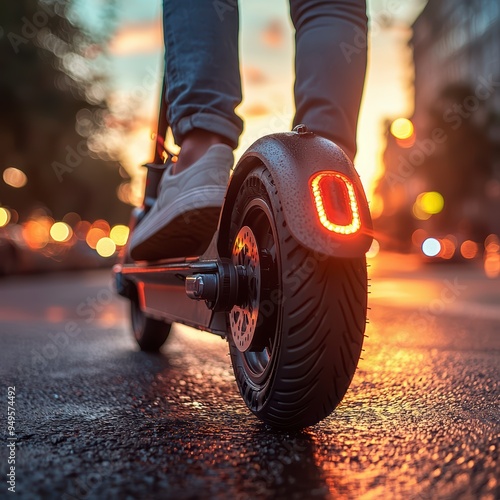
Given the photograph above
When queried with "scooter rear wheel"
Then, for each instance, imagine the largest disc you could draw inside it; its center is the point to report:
(296, 341)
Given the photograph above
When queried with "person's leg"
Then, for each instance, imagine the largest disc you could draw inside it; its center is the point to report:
(330, 65)
(203, 90)
(203, 79)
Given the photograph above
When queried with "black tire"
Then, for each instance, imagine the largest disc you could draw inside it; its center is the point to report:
(312, 313)
(149, 333)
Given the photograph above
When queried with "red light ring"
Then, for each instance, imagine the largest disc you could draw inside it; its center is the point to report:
(355, 224)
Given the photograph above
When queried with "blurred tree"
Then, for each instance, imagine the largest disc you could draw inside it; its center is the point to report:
(53, 112)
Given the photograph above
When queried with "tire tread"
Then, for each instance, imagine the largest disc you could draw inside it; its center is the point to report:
(322, 327)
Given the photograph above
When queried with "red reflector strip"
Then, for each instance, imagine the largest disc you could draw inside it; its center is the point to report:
(346, 221)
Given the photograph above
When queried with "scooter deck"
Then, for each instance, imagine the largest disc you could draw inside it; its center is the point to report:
(161, 290)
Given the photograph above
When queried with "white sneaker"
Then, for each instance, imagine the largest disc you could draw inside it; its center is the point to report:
(184, 218)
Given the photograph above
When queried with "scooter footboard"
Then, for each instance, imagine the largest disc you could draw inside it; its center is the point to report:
(161, 294)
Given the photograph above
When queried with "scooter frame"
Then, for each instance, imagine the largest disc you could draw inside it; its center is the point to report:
(166, 289)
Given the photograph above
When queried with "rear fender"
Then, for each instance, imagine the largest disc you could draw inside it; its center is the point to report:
(293, 159)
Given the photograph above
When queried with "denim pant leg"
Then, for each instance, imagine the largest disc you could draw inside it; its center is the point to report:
(330, 65)
(202, 67)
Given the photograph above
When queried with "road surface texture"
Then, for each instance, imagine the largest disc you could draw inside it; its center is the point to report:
(95, 418)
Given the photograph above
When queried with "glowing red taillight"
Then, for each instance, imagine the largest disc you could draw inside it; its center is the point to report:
(336, 204)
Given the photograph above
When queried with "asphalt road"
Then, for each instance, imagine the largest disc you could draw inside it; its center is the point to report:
(96, 418)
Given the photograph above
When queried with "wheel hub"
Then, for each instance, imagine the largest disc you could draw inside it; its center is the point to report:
(243, 319)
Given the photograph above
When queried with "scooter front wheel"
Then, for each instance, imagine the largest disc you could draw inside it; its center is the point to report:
(296, 339)
(149, 333)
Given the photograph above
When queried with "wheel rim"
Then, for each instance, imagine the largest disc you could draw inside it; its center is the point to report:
(258, 218)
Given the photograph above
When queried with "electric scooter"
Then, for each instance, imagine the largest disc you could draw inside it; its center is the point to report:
(283, 279)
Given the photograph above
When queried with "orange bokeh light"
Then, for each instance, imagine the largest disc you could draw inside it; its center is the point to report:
(448, 248)
(469, 249)
(103, 225)
(408, 142)
(492, 256)
(36, 233)
(93, 236)
(492, 243)
(492, 265)
(419, 236)
(14, 177)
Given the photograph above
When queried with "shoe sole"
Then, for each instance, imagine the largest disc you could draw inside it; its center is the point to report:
(188, 233)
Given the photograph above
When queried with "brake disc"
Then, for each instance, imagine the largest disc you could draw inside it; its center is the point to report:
(243, 319)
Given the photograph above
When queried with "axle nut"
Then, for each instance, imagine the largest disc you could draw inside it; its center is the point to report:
(194, 286)
(202, 287)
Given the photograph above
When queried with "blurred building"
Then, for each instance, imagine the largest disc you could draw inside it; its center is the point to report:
(455, 41)
(453, 142)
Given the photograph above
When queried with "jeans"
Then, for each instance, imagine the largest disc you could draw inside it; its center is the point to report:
(202, 67)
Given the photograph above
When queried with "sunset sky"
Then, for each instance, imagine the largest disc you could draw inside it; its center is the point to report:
(266, 47)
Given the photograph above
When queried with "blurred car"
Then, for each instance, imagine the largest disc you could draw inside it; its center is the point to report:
(448, 248)
(18, 256)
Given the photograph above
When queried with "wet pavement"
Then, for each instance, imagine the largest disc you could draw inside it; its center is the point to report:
(96, 418)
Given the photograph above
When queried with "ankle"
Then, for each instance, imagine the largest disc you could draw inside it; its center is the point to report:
(194, 146)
